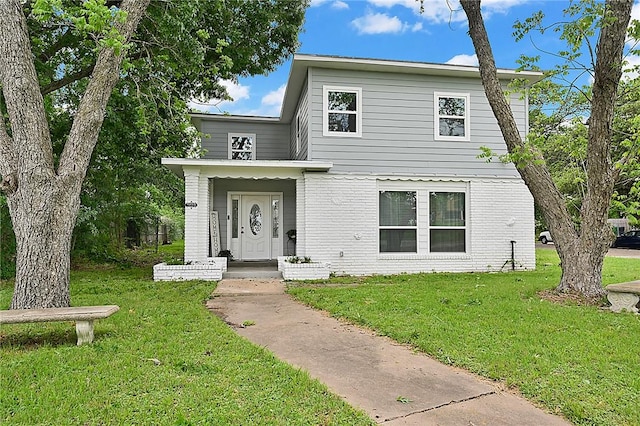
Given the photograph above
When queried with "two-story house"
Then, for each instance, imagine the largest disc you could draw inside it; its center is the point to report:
(373, 164)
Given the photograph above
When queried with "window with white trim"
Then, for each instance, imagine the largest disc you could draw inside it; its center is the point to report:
(447, 222)
(242, 146)
(451, 116)
(342, 108)
(398, 224)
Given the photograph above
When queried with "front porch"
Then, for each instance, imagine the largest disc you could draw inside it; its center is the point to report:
(249, 208)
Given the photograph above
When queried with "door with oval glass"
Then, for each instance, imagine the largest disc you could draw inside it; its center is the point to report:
(255, 227)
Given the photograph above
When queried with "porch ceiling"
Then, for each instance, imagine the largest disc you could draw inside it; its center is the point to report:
(245, 169)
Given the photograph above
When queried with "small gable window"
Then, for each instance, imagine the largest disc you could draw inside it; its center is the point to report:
(242, 146)
(342, 111)
(451, 116)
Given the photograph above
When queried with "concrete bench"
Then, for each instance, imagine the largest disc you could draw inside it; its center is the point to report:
(82, 315)
(624, 296)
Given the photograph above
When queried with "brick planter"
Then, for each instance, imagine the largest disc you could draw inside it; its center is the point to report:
(209, 271)
(303, 271)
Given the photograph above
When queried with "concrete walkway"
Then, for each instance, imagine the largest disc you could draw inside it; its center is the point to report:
(390, 382)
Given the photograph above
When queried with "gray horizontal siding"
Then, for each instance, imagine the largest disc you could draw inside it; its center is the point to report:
(303, 112)
(398, 126)
(272, 139)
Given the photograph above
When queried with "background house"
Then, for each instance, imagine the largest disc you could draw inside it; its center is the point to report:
(373, 163)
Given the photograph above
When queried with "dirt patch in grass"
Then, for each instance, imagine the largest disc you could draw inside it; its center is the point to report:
(574, 299)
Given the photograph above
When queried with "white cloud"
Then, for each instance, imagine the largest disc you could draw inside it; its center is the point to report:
(435, 11)
(410, 4)
(632, 67)
(339, 5)
(335, 4)
(237, 92)
(275, 97)
(447, 11)
(635, 11)
(464, 60)
(381, 23)
(377, 23)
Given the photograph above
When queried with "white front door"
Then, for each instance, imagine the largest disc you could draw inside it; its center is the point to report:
(255, 227)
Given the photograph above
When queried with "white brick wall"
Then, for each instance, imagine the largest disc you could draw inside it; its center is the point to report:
(191, 185)
(206, 272)
(196, 233)
(301, 203)
(203, 219)
(341, 222)
(303, 271)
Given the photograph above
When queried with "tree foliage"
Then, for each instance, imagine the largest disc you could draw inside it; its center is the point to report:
(581, 245)
(70, 56)
(561, 133)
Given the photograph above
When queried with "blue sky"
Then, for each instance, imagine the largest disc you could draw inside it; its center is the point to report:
(395, 29)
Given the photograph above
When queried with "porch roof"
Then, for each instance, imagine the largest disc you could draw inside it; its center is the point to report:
(245, 169)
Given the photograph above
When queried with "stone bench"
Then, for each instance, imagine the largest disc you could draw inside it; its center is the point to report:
(624, 296)
(82, 315)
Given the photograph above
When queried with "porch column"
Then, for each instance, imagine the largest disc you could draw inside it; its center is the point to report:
(195, 215)
(301, 209)
(204, 214)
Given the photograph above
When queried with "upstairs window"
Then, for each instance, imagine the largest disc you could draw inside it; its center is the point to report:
(242, 146)
(342, 111)
(451, 116)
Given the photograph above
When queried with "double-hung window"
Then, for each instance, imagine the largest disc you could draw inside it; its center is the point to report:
(451, 116)
(342, 108)
(242, 146)
(447, 222)
(398, 222)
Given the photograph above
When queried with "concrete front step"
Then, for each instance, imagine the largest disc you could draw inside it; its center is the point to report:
(245, 272)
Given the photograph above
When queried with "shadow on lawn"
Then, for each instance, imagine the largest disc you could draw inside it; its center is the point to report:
(29, 340)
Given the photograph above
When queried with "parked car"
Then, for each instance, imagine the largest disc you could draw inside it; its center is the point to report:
(630, 239)
(545, 237)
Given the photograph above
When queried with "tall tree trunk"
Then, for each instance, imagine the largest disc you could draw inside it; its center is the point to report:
(44, 202)
(581, 250)
(582, 268)
(43, 216)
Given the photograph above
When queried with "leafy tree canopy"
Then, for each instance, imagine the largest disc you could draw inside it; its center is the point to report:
(180, 51)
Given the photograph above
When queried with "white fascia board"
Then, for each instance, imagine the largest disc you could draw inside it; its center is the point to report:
(247, 169)
(338, 62)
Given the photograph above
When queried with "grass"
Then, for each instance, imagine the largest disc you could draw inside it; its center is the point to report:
(582, 362)
(163, 359)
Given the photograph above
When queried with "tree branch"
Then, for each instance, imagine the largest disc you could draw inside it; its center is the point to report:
(533, 170)
(24, 102)
(54, 48)
(608, 71)
(83, 136)
(67, 79)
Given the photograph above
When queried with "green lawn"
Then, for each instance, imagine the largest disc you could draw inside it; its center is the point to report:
(163, 359)
(582, 362)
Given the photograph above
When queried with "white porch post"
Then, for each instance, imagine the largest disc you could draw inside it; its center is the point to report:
(203, 218)
(300, 216)
(195, 215)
